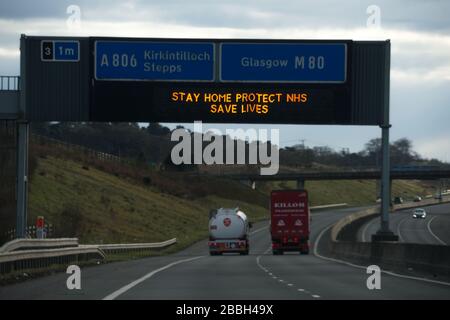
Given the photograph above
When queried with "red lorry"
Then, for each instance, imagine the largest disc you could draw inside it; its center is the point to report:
(290, 221)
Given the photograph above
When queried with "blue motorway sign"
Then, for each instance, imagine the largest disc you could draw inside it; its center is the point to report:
(283, 62)
(60, 50)
(157, 61)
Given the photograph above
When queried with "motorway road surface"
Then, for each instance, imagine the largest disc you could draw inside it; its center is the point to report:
(193, 274)
(434, 229)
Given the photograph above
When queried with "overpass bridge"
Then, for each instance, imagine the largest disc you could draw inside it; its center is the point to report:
(374, 174)
(345, 175)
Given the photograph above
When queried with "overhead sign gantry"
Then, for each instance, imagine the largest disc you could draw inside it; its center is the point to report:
(338, 82)
(214, 80)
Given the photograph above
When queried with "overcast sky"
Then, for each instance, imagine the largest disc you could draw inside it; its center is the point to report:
(419, 33)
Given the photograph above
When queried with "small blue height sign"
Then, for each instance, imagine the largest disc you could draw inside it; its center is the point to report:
(154, 61)
(283, 62)
(60, 50)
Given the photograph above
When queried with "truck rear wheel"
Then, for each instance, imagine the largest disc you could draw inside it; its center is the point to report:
(277, 252)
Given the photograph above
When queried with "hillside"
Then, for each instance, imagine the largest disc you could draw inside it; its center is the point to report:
(102, 201)
(98, 207)
(354, 192)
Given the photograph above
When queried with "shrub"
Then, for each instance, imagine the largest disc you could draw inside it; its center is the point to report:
(147, 180)
(70, 221)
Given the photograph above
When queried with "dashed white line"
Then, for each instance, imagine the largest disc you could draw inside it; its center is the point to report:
(258, 262)
(124, 289)
(315, 296)
(432, 233)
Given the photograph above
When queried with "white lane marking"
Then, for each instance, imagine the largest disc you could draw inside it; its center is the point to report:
(316, 243)
(315, 296)
(258, 230)
(432, 233)
(124, 289)
(364, 231)
(258, 262)
(399, 228)
(365, 267)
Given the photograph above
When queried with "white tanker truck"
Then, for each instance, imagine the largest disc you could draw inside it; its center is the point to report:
(228, 231)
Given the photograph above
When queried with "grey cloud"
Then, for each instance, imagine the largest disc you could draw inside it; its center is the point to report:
(9, 66)
(420, 110)
(407, 14)
(21, 9)
(411, 103)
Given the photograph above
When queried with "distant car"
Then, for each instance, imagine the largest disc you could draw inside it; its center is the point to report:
(417, 198)
(419, 213)
(438, 196)
(398, 200)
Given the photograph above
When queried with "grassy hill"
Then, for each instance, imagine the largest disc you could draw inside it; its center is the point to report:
(100, 207)
(104, 202)
(353, 192)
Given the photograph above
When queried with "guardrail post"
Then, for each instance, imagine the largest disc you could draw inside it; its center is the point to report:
(22, 178)
(22, 151)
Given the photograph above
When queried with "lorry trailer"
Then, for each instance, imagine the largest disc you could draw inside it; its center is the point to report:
(290, 220)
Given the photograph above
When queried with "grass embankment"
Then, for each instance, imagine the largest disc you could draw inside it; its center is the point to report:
(99, 207)
(102, 202)
(353, 192)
